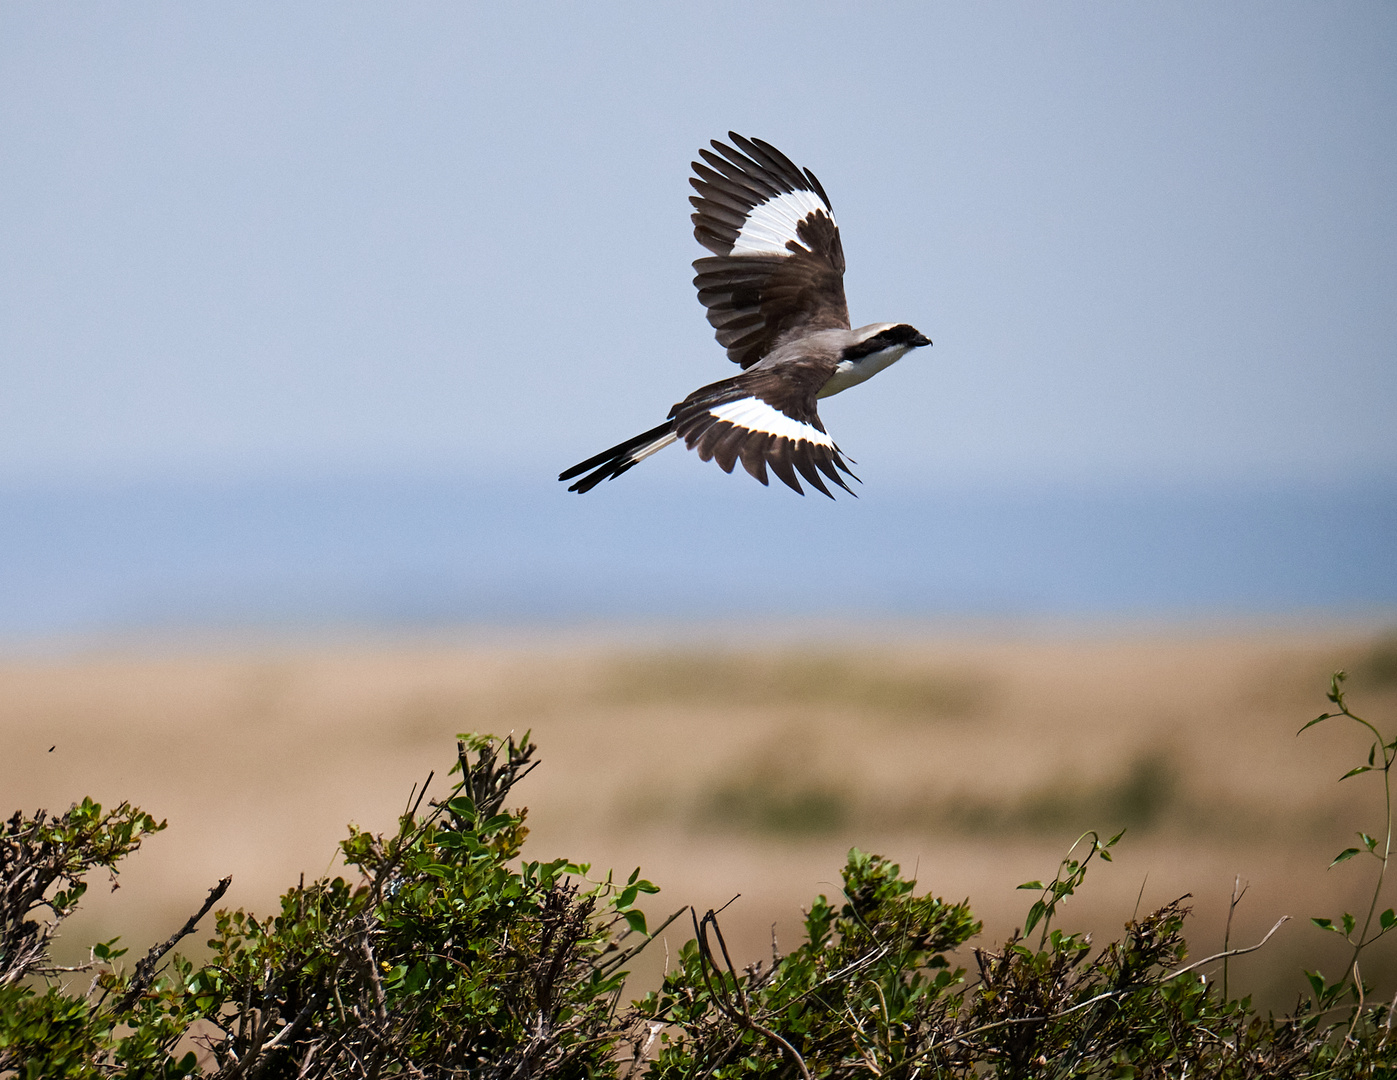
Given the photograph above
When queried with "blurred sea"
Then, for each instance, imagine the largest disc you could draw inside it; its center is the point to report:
(430, 551)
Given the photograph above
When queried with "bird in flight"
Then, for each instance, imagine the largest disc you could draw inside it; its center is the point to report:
(774, 290)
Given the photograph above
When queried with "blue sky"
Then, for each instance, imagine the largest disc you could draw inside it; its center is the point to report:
(1152, 243)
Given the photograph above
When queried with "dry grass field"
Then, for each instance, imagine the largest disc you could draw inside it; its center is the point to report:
(974, 759)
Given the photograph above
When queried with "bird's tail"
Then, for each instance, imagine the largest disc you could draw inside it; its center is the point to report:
(610, 464)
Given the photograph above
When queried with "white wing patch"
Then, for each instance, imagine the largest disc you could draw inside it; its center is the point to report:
(756, 414)
(771, 225)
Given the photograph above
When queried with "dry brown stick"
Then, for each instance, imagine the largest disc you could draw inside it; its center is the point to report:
(745, 1016)
(145, 969)
(625, 956)
(375, 983)
(1238, 891)
(266, 1014)
(1106, 995)
(1228, 952)
(287, 1035)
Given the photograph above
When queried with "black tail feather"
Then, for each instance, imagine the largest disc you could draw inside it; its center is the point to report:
(610, 464)
(609, 471)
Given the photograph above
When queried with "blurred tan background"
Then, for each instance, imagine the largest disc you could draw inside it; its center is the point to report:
(748, 766)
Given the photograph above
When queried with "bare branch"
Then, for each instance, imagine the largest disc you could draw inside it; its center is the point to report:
(145, 969)
(1228, 952)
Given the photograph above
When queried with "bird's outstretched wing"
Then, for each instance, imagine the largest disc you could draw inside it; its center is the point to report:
(778, 266)
(764, 417)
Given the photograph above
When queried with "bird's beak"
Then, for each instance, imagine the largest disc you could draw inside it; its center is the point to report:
(920, 340)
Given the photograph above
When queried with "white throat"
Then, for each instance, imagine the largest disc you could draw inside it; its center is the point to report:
(852, 372)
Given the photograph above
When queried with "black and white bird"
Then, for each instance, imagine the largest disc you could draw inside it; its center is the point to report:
(774, 290)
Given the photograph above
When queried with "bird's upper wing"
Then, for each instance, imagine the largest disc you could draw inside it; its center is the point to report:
(765, 417)
(777, 265)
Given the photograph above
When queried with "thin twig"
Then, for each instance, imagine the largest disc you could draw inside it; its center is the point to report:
(1228, 952)
(1106, 995)
(725, 1007)
(412, 807)
(375, 983)
(289, 1033)
(1227, 930)
(145, 969)
(627, 955)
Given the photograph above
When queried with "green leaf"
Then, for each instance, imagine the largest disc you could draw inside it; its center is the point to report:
(1356, 771)
(1344, 856)
(1324, 924)
(1318, 719)
(1031, 885)
(416, 978)
(1348, 923)
(635, 920)
(1369, 842)
(1388, 919)
(103, 950)
(496, 823)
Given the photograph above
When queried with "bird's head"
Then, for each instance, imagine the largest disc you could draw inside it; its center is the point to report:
(884, 337)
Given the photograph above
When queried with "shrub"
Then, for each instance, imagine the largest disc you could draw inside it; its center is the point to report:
(449, 955)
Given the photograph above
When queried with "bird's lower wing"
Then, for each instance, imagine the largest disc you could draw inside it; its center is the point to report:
(763, 418)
